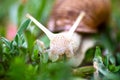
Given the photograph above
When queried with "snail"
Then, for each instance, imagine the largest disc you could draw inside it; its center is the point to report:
(61, 43)
(71, 18)
(64, 13)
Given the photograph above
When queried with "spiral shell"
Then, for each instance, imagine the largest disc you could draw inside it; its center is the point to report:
(65, 12)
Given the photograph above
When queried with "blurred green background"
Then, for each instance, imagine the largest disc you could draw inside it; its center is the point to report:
(14, 11)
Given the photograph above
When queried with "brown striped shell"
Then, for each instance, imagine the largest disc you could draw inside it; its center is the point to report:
(65, 12)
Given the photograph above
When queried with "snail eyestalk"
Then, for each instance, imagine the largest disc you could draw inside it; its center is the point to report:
(75, 25)
(44, 29)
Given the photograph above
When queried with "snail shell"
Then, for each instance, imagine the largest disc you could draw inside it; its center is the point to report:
(65, 12)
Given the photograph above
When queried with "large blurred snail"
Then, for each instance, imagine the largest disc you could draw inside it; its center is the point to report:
(71, 18)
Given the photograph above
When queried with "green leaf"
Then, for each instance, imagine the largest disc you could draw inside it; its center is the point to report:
(16, 39)
(7, 42)
(114, 68)
(44, 57)
(12, 46)
(23, 27)
(98, 52)
(83, 71)
(35, 54)
(30, 38)
(19, 40)
(106, 61)
(89, 55)
(102, 68)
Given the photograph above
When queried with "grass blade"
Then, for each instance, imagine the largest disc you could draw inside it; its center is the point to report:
(23, 27)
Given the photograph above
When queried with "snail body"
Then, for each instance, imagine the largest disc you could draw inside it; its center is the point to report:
(61, 43)
(70, 18)
(65, 12)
